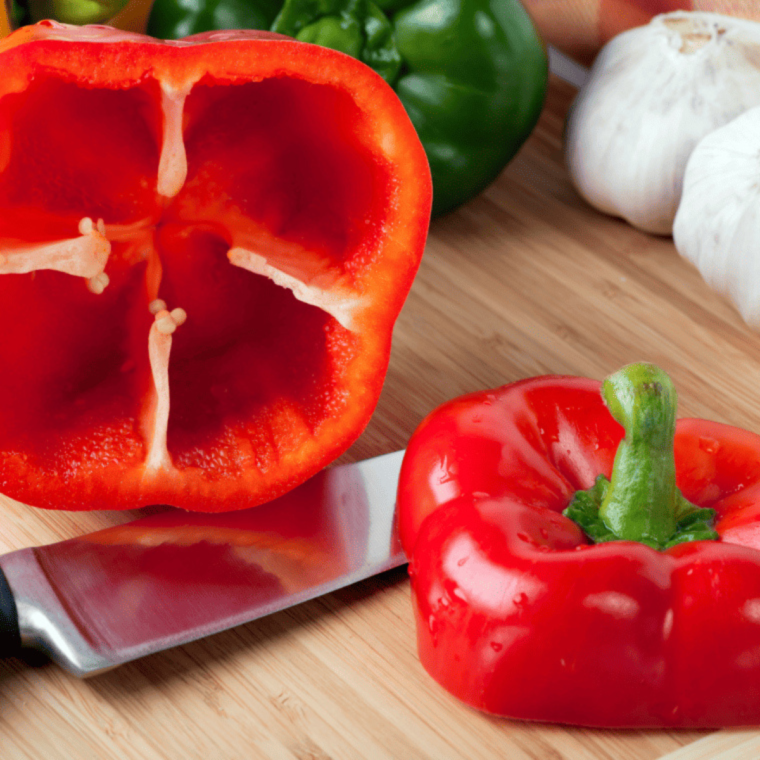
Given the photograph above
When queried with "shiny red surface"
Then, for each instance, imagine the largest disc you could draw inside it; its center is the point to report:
(519, 616)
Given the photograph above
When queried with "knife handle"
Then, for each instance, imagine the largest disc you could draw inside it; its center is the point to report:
(10, 637)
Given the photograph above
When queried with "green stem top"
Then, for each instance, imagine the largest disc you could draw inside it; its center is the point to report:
(641, 502)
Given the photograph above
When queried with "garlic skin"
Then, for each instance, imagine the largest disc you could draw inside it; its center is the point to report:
(717, 227)
(651, 95)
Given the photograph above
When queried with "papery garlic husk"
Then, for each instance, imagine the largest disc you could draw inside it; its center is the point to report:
(717, 227)
(651, 95)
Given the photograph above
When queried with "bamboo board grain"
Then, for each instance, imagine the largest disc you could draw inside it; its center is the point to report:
(524, 280)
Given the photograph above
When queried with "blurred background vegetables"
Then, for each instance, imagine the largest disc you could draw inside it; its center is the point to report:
(129, 15)
(74, 11)
(471, 73)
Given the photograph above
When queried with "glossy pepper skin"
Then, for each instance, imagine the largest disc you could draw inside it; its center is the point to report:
(472, 74)
(204, 246)
(520, 615)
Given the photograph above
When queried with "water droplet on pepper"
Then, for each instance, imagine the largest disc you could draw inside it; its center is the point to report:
(709, 445)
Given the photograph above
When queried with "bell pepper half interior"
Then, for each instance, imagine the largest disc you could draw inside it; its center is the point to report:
(239, 213)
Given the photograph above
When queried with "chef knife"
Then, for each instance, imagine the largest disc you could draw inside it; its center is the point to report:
(95, 602)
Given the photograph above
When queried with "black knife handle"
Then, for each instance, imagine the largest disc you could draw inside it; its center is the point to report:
(10, 637)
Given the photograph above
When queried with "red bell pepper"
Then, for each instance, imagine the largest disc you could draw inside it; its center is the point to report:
(646, 615)
(204, 245)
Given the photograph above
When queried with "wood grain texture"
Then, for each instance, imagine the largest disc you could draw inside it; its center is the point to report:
(729, 744)
(524, 280)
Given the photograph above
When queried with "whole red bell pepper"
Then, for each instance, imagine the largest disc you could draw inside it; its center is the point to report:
(563, 560)
(204, 245)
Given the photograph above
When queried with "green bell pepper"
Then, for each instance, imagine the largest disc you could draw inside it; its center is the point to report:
(472, 74)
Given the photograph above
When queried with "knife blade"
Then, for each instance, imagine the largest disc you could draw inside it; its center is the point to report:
(95, 602)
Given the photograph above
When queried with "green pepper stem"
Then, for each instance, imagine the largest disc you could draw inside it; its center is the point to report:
(641, 502)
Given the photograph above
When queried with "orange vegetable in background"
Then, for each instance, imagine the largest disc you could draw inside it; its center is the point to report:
(581, 27)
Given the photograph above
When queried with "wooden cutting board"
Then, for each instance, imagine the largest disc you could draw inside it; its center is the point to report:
(524, 280)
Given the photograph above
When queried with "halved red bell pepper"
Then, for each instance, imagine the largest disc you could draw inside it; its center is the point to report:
(204, 246)
(522, 612)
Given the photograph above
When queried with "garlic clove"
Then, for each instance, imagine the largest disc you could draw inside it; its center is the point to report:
(651, 95)
(717, 227)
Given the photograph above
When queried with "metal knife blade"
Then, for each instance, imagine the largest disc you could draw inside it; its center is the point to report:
(98, 601)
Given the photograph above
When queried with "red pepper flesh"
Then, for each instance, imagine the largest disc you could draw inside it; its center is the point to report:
(204, 245)
(519, 615)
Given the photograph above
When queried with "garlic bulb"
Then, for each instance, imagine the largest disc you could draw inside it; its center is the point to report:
(717, 226)
(651, 95)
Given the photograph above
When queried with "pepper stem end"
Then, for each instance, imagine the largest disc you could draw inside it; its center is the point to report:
(640, 502)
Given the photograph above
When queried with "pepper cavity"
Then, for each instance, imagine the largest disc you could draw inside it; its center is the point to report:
(270, 198)
(231, 245)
